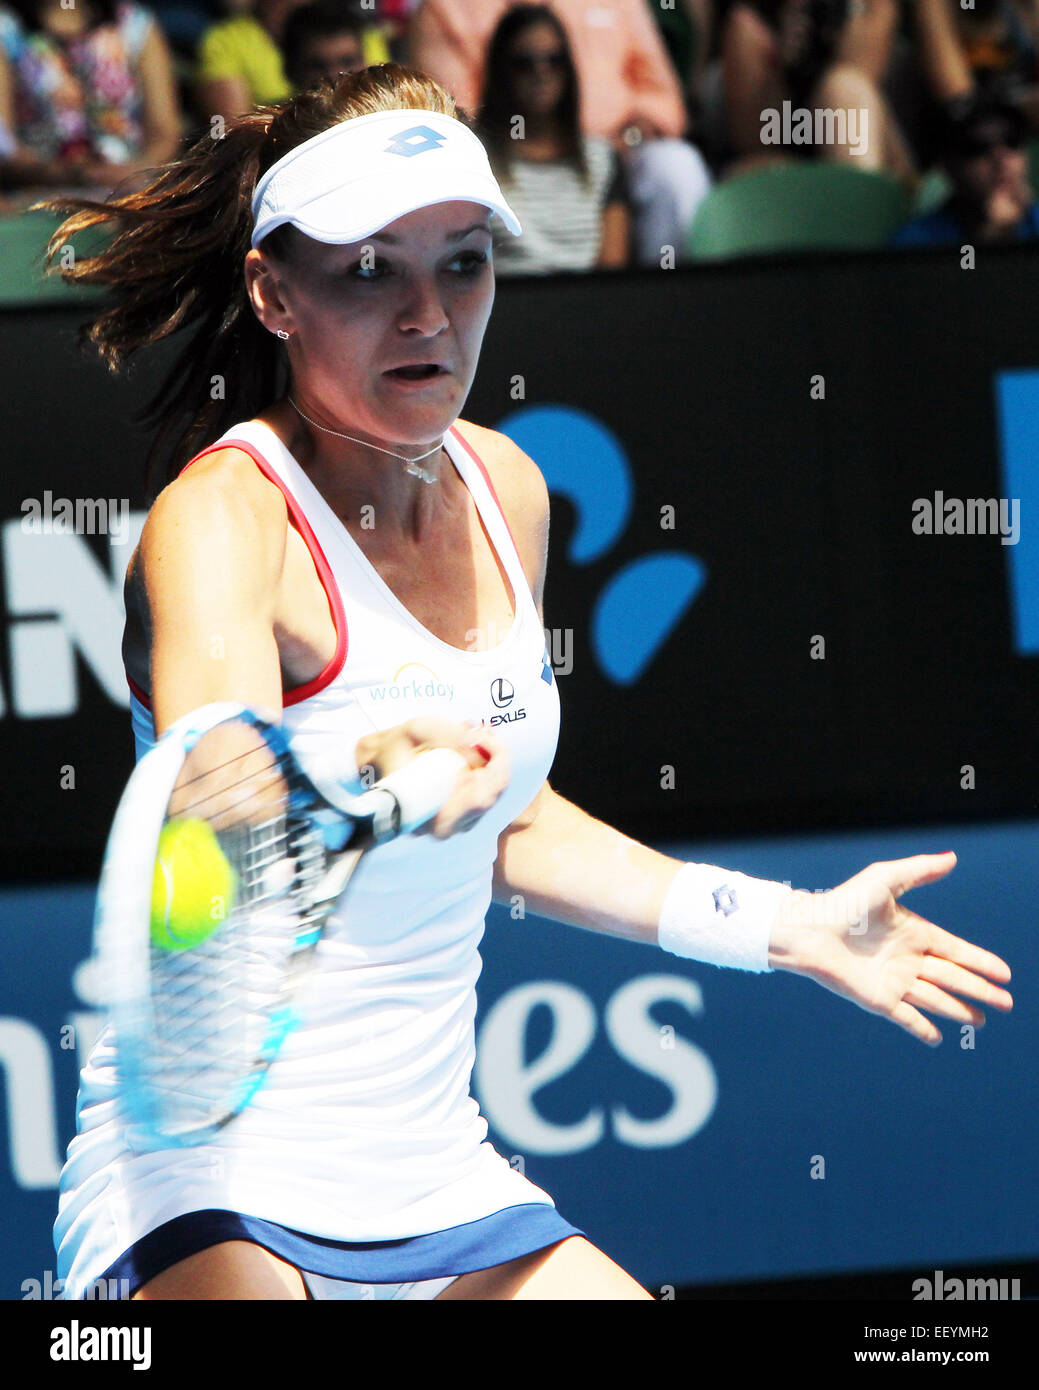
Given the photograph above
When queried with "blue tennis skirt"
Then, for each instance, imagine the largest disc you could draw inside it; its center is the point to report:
(494, 1239)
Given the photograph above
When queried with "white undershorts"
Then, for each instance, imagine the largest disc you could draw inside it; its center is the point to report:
(319, 1286)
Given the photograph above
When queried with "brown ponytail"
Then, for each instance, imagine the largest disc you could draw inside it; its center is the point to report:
(176, 260)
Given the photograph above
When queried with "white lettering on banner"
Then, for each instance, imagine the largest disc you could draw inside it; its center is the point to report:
(506, 1084)
(684, 1068)
(63, 603)
(29, 1084)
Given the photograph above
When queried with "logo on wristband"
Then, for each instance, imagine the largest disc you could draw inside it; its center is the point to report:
(725, 899)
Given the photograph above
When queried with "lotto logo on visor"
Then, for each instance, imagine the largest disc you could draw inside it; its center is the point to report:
(350, 181)
(427, 140)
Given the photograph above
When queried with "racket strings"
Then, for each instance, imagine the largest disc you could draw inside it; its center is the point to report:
(262, 787)
(221, 1007)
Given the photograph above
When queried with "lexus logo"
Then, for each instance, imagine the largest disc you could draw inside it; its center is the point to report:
(502, 692)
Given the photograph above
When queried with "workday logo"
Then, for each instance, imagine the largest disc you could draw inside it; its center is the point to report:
(417, 140)
(642, 602)
(413, 681)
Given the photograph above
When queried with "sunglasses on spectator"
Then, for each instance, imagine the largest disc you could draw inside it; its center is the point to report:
(529, 62)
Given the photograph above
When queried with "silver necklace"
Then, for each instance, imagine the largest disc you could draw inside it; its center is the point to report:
(411, 465)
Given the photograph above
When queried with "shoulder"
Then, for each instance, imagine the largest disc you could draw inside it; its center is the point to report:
(221, 512)
(229, 477)
(522, 492)
(517, 479)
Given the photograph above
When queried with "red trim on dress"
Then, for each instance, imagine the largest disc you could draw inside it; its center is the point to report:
(324, 570)
(135, 689)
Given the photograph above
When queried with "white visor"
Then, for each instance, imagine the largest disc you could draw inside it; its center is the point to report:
(349, 181)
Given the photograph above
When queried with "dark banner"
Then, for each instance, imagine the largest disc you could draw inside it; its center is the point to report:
(794, 565)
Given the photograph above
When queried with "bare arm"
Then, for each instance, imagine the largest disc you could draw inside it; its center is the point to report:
(869, 37)
(208, 567)
(749, 76)
(434, 49)
(878, 144)
(222, 96)
(614, 250)
(569, 867)
(941, 53)
(161, 108)
(654, 91)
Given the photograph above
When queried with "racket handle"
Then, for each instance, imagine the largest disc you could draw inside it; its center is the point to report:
(411, 796)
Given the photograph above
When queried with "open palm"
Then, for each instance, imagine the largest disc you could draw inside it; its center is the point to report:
(859, 941)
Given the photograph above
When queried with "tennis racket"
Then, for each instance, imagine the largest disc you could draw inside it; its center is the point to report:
(223, 865)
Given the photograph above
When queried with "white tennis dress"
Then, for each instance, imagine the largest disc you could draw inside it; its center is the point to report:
(365, 1130)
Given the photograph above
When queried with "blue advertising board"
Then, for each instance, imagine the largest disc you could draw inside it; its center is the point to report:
(700, 1125)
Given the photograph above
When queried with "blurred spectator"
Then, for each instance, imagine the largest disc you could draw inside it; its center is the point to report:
(987, 165)
(630, 96)
(240, 62)
(320, 42)
(394, 16)
(87, 94)
(183, 22)
(566, 188)
(988, 50)
(687, 28)
(813, 55)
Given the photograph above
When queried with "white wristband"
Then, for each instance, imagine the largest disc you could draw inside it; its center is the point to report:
(720, 917)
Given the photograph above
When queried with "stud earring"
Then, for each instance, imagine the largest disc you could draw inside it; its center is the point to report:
(282, 334)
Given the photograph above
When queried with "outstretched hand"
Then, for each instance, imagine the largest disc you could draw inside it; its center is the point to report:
(858, 940)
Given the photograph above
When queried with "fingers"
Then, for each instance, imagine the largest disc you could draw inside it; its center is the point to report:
(918, 869)
(936, 1001)
(914, 1023)
(956, 979)
(943, 944)
(476, 790)
(386, 750)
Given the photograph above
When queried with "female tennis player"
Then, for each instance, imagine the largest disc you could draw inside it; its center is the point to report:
(352, 553)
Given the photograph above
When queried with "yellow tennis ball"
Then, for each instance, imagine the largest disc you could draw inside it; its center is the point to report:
(193, 887)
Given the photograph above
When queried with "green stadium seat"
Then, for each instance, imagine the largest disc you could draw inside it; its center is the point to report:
(798, 207)
(23, 237)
